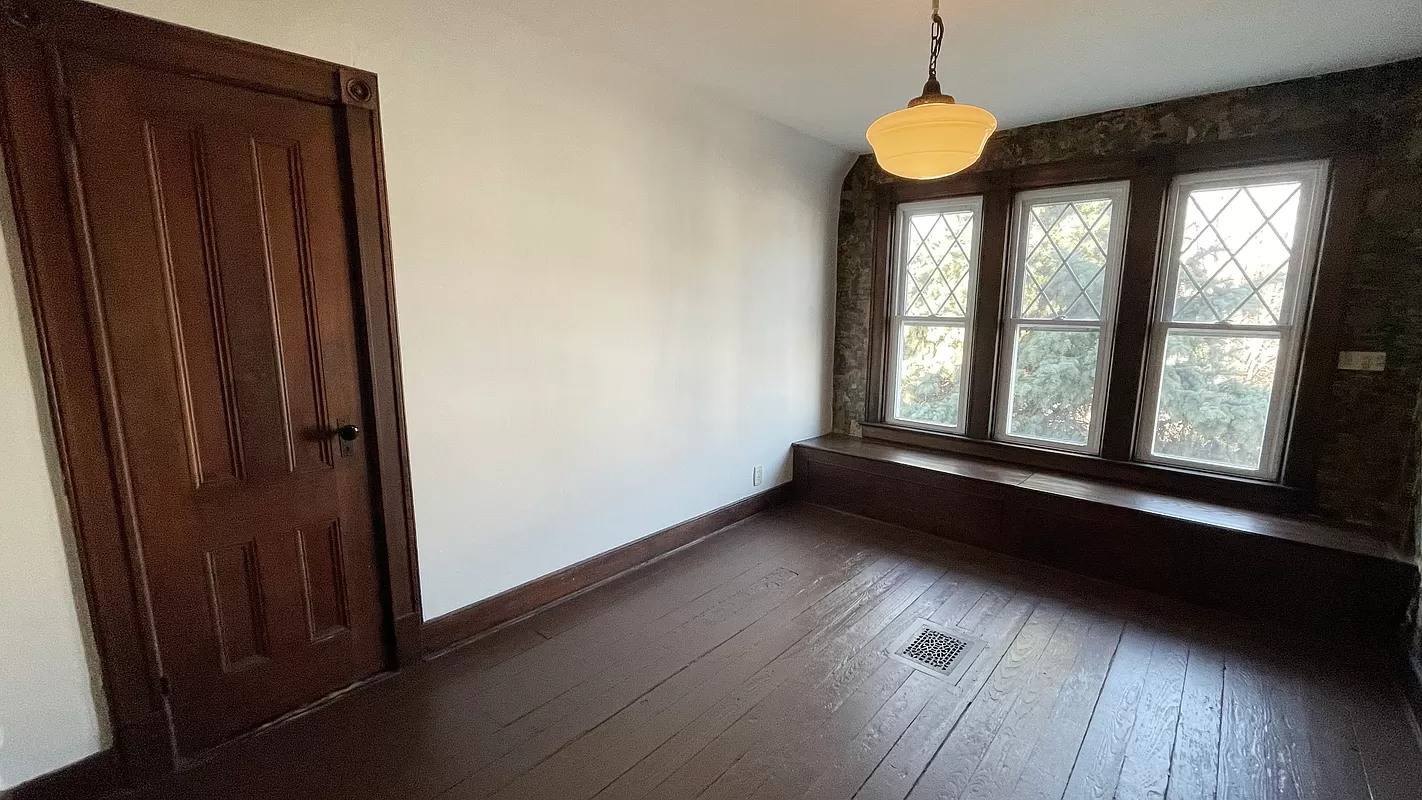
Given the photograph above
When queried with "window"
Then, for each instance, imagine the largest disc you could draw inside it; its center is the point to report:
(936, 260)
(1114, 318)
(1065, 266)
(1226, 333)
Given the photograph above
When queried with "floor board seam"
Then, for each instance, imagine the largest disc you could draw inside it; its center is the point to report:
(1099, 692)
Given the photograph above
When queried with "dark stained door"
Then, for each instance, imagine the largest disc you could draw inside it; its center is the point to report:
(221, 236)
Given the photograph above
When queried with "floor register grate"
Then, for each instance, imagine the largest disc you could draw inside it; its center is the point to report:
(937, 650)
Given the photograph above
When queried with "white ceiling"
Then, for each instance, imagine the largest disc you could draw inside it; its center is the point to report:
(831, 67)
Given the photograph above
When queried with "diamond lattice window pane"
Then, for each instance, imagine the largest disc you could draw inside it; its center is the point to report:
(936, 274)
(1237, 244)
(1065, 269)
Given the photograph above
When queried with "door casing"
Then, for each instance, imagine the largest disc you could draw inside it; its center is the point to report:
(41, 163)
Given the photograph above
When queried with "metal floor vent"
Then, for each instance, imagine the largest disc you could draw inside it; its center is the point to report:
(937, 650)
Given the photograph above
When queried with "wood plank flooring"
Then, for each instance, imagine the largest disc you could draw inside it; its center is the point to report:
(755, 665)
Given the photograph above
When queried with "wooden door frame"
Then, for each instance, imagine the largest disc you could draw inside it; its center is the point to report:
(41, 162)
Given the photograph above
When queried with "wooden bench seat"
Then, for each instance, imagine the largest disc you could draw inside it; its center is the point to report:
(1259, 564)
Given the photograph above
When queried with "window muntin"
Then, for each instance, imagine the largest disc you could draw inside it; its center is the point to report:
(1057, 330)
(934, 286)
(1240, 253)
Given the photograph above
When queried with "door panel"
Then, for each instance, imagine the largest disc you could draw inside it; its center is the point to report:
(236, 583)
(323, 574)
(280, 196)
(194, 300)
(220, 234)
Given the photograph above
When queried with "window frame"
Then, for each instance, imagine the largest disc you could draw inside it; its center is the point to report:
(1351, 151)
(898, 318)
(1118, 192)
(1313, 176)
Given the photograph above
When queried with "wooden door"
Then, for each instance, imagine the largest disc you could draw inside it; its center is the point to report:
(221, 241)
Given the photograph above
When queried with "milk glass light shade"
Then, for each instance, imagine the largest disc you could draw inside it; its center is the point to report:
(931, 139)
(934, 137)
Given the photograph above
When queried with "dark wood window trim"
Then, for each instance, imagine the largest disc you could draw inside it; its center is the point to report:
(48, 204)
(1150, 174)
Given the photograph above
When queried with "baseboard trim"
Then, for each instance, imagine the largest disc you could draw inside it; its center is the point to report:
(445, 631)
(98, 775)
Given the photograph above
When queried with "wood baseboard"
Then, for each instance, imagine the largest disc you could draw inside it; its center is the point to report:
(445, 631)
(99, 775)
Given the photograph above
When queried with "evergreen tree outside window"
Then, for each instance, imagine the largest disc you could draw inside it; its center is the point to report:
(1057, 330)
(1228, 327)
(1122, 315)
(934, 285)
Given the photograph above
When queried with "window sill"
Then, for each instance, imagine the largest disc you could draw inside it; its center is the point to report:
(1189, 484)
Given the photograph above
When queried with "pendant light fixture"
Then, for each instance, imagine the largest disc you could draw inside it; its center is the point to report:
(934, 137)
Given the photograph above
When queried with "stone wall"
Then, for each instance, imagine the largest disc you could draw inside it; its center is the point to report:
(1414, 651)
(1366, 472)
(1412, 632)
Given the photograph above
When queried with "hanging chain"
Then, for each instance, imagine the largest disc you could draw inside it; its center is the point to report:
(937, 43)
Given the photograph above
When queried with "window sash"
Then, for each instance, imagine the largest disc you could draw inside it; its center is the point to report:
(899, 319)
(1118, 192)
(1303, 264)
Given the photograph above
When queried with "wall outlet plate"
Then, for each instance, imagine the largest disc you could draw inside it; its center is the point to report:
(1362, 361)
(757, 475)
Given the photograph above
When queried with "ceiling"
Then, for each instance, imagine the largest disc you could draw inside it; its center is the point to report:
(829, 68)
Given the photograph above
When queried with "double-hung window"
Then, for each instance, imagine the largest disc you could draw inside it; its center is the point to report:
(1065, 268)
(1133, 315)
(1240, 254)
(935, 276)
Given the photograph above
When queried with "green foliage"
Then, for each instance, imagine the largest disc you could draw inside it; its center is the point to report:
(1214, 395)
(1234, 262)
(931, 374)
(938, 266)
(1076, 232)
(1214, 398)
(1053, 383)
(1215, 390)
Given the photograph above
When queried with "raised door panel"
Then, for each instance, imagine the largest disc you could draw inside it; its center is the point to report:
(323, 580)
(193, 287)
(287, 253)
(235, 580)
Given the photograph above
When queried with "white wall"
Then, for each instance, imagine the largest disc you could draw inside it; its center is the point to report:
(615, 295)
(49, 716)
(613, 305)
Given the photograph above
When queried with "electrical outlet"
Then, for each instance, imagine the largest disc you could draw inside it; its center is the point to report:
(757, 475)
(1362, 361)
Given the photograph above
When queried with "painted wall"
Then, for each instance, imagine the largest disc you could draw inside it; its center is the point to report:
(1365, 473)
(615, 300)
(48, 711)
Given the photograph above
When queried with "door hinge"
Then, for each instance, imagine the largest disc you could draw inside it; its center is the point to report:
(165, 686)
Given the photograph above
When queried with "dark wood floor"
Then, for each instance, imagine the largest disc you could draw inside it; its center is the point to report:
(754, 665)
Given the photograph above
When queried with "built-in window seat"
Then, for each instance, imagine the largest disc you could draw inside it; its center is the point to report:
(1263, 565)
